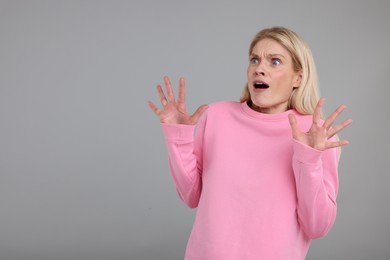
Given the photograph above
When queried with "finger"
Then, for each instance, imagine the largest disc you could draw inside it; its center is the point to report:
(317, 111)
(198, 113)
(330, 145)
(163, 99)
(330, 120)
(339, 128)
(182, 92)
(294, 126)
(168, 86)
(154, 108)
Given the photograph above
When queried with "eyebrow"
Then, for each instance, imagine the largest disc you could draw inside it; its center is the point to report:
(271, 55)
(276, 55)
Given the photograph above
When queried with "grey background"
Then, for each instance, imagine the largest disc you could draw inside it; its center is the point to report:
(83, 170)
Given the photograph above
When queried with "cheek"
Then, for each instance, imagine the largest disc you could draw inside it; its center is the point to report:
(283, 77)
(248, 71)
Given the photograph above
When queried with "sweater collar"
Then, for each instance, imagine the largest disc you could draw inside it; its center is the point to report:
(254, 114)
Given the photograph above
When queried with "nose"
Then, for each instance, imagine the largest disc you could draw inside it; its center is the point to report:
(259, 70)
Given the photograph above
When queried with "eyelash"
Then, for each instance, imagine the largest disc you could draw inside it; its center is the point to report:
(255, 61)
(276, 60)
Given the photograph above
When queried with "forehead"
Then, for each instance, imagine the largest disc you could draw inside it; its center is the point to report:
(268, 46)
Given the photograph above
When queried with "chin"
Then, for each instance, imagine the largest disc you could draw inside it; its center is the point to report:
(257, 106)
(259, 103)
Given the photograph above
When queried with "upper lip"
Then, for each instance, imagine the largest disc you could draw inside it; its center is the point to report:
(260, 82)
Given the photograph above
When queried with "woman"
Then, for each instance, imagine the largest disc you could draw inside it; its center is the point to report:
(262, 172)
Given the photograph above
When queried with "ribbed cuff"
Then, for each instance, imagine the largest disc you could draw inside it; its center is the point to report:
(178, 133)
(306, 154)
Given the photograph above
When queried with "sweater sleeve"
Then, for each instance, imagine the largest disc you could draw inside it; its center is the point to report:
(316, 180)
(184, 162)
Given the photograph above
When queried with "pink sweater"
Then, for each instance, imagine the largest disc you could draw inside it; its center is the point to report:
(259, 193)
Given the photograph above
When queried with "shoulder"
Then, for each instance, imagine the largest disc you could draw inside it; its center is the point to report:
(224, 106)
(221, 110)
(304, 121)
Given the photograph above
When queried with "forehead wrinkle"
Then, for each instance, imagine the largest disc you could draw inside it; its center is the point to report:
(267, 48)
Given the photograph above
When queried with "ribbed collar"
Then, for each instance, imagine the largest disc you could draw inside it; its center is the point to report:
(272, 117)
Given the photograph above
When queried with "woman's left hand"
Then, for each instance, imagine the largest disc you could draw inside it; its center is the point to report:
(318, 136)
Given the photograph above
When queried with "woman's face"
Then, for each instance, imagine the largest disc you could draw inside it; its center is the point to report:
(271, 77)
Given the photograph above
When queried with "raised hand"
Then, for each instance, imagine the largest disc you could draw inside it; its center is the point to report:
(319, 134)
(174, 112)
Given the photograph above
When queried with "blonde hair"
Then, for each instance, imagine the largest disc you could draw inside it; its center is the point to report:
(305, 97)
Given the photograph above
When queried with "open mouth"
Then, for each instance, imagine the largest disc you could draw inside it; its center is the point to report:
(260, 85)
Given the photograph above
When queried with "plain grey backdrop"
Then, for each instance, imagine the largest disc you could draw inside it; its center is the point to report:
(83, 165)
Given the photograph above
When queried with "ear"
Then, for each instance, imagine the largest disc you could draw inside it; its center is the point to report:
(297, 79)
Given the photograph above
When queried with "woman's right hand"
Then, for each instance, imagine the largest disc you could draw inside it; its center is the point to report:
(174, 112)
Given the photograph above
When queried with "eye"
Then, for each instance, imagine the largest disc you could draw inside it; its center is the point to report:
(253, 60)
(276, 61)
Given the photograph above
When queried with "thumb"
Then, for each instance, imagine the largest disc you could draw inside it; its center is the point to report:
(294, 126)
(198, 113)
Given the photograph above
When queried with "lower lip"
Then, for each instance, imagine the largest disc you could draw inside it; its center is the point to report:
(259, 89)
